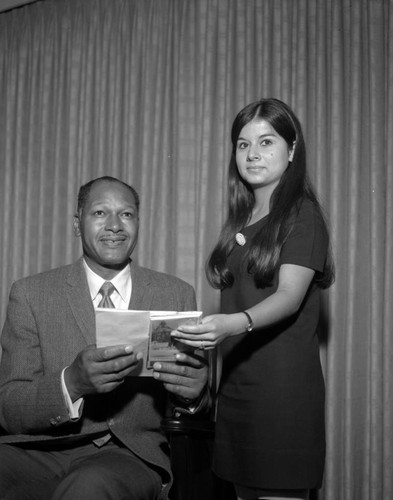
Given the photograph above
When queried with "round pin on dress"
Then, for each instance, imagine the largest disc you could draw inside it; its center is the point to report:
(240, 239)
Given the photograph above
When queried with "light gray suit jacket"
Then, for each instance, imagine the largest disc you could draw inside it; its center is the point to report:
(51, 318)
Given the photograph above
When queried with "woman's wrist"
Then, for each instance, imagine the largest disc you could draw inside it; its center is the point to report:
(250, 323)
(242, 322)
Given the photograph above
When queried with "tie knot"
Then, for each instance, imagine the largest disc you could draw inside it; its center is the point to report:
(106, 291)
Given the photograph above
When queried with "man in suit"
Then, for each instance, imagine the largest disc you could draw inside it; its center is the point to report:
(78, 424)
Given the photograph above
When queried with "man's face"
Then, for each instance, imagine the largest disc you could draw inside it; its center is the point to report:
(108, 226)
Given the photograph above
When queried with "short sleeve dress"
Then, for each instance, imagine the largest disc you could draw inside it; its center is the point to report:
(270, 415)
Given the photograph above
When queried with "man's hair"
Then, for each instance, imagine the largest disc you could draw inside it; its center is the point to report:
(84, 191)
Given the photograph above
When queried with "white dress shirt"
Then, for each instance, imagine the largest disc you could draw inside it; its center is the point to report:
(123, 287)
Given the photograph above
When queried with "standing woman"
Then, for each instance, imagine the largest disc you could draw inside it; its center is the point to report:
(270, 263)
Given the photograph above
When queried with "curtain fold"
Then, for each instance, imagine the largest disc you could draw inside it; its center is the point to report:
(146, 90)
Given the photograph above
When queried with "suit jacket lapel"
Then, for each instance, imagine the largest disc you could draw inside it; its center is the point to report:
(78, 296)
(142, 293)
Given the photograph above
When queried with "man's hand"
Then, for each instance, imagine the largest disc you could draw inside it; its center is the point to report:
(185, 378)
(99, 370)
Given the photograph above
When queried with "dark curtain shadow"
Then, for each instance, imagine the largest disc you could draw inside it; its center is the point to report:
(323, 324)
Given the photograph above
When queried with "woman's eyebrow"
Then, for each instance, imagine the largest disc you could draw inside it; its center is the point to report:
(270, 134)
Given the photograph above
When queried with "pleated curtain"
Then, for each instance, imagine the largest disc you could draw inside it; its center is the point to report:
(146, 90)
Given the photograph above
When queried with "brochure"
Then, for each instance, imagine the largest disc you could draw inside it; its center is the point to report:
(148, 332)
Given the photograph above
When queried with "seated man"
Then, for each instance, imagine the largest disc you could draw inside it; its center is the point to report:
(78, 424)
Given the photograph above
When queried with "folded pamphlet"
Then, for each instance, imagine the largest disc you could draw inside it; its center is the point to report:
(148, 332)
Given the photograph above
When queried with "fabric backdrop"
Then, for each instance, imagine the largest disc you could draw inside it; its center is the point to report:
(146, 90)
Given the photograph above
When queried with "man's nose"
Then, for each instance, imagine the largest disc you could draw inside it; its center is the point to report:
(113, 222)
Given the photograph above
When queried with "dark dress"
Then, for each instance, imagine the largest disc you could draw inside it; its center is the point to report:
(270, 416)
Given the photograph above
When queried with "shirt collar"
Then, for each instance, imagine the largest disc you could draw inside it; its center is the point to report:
(122, 281)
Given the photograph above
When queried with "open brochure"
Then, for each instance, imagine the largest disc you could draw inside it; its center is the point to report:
(148, 332)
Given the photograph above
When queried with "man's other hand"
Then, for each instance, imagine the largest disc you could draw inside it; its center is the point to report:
(186, 377)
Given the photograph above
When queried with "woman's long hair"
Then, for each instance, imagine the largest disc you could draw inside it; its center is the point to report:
(263, 257)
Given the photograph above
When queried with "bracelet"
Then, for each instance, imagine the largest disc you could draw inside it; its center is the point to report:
(250, 325)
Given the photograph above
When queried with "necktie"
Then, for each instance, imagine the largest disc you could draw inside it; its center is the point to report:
(106, 291)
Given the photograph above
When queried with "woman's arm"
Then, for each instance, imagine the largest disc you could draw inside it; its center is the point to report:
(293, 284)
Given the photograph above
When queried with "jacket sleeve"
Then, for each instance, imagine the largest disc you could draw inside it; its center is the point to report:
(31, 400)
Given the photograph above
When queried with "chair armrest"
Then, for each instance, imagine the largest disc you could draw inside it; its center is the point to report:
(190, 439)
(184, 424)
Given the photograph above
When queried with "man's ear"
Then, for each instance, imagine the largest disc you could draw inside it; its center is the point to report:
(292, 152)
(76, 226)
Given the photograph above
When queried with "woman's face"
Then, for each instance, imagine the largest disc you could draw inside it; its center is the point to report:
(262, 155)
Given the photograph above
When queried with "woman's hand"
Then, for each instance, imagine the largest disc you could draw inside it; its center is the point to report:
(211, 331)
